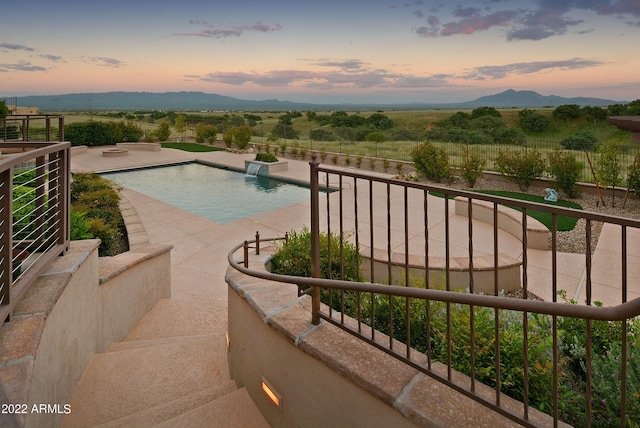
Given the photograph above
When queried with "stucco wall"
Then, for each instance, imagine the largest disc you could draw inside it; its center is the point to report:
(327, 377)
(88, 304)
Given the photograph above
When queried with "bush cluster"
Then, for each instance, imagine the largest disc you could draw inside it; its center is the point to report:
(521, 166)
(581, 140)
(565, 169)
(339, 258)
(95, 204)
(240, 136)
(431, 162)
(101, 133)
(471, 167)
(266, 157)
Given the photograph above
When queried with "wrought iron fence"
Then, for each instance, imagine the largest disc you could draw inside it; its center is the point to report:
(576, 361)
(371, 155)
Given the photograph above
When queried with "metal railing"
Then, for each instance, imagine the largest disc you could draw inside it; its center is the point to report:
(560, 349)
(391, 156)
(34, 207)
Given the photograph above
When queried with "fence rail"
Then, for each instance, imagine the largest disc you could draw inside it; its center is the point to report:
(376, 155)
(34, 206)
(547, 355)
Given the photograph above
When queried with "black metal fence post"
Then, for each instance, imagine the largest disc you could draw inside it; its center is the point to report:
(315, 238)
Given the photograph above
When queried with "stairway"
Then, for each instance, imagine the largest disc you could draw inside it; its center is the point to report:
(171, 371)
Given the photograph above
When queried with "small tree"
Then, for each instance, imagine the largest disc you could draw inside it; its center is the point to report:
(581, 140)
(164, 131)
(565, 170)
(242, 136)
(4, 110)
(375, 137)
(533, 121)
(180, 124)
(431, 162)
(227, 137)
(567, 112)
(205, 132)
(521, 166)
(609, 166)
(472, 166)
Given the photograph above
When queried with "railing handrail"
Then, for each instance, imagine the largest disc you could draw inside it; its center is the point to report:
(500, 200)
(619, 312)
(52, 166)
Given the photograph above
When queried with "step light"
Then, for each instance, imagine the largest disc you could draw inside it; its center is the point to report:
(271, 393)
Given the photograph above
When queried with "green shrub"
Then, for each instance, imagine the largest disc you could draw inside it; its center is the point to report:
(87, 182)
(431, 162)
(533, 121)
(633, 177)
(321, 135)
(472, 166)
(99, 201)
(376, 137)
(101, 133)
(606, 381)
(606, 347)
(565, 170)
(581, 140)
(522, 166)
(266, 157)
(80, 227)
(294, 256)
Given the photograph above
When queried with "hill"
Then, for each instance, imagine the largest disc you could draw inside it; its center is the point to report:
(531, 99)
(199, 101)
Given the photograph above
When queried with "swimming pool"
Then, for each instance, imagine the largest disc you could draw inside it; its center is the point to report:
(217, 194)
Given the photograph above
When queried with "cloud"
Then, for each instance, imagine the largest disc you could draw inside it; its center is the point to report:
(465, 12)
(52, 58)
(476, 23)
(349, 64)
(337, 79)
(21, 66)
(221, 32)
(107, 62)
(546, 21)
(542, 19)
(471, 23)
(500, 71)
(14, 47)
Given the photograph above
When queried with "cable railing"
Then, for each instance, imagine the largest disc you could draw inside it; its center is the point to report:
(422, 297)
(34, 209)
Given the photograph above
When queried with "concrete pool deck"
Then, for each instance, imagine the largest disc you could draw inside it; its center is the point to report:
(196, 315)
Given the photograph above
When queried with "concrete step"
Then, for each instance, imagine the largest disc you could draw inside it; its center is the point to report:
(124, 382)
(164, 412)
(230, 411)
(149, 343)
(172, 318)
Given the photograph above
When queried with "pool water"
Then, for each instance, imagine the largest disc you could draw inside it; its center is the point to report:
(217, 194)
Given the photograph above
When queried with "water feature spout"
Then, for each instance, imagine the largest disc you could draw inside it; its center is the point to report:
(253, 169)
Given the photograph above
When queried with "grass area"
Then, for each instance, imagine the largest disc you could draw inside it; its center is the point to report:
(565, 223)
(190, 147)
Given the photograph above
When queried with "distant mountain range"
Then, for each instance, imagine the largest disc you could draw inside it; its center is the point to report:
(199, 101)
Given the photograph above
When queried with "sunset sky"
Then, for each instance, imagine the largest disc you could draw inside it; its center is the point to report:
(382, 51)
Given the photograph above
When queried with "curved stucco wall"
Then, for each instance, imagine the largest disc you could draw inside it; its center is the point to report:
(327, 377)
(75, 309)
